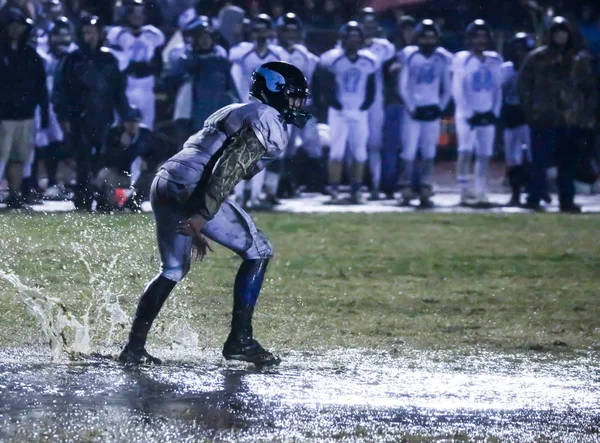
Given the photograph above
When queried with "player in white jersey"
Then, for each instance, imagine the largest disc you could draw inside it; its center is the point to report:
(517, 137)
(350, 79)
(384, 50)
(189, 201)
(290, 32)
(135, 46)
(425, 88)
(477, 91)
(245, 59)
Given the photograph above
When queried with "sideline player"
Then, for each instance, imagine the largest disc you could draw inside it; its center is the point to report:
(189, 201)
(290, 32)
(350, 79)
(245, 59)
(385, 51)
(517, 136)
(477, 91)
(134, 46)
(426, 91)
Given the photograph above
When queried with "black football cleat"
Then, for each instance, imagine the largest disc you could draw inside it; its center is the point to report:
(139, 356)
(249, 351)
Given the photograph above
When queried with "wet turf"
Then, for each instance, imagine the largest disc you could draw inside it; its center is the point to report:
(481, 327)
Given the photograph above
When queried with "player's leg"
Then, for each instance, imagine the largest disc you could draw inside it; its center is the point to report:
(411, 133)
(235, 230)
(465, 136)
(339, 137)
(357, 141)
(175, 250)
(430, 135)
(485, 147)
(513, 154)
(374, 143)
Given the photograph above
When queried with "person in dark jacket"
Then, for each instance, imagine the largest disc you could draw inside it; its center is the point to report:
(130, 149)
(201, 77)
(559, 95)
(22, 89)
(88, 89)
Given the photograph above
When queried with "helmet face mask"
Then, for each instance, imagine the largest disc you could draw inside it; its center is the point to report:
(478, 36)
(283, 87)
(352, 38)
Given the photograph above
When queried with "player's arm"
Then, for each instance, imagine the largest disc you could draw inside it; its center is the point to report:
(497, 92)
(240, 154)
(370, 92)
(458, 89)
(446, 87)
(406, 88)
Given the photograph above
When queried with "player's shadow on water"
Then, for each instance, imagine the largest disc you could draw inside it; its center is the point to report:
(233, 407)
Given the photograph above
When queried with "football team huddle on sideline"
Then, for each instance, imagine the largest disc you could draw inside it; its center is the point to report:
(349, 84)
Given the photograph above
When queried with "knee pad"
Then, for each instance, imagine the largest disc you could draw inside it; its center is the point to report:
(178, 273)
(260, 249)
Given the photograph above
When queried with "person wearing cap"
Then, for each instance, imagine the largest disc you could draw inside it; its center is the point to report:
(559, 94)
(88, 90)
(22, 90)
(130, 149)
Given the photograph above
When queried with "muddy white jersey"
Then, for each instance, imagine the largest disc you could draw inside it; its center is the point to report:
(187, 166)
(477, 83)
(425, 80)
(245, 60)
(384, 50)
(128, 47)
(350, 76)
(510, 78)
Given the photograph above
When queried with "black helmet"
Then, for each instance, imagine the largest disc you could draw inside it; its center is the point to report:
(366, 14)
(262, 21)
(132, 114)
(199, 24)
(351, 27)
(90, 20)
(478, 25)
(522, 40)
(16, 16)
(283, 87)
(367, 17)
(427, 25)
(560, 24)
(52, 7)
(289, 19)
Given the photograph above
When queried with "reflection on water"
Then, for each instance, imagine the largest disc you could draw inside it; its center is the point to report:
(337, 395)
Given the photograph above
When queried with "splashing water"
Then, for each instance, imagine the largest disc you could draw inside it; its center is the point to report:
(54, 319)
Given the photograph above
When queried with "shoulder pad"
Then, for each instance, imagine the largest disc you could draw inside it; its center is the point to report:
(494, 55)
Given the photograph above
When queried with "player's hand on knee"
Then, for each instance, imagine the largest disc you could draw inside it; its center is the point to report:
(192, 226)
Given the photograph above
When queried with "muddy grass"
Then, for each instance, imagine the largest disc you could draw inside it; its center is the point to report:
(384, 281)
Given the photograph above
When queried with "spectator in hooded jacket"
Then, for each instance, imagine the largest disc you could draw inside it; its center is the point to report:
(559, 94)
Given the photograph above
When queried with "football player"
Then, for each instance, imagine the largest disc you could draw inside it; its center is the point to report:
(135, 45)
(517, 137)
(189, 201)
(425, 90)
(477, 91)
(384, 50)
(349, 76)
(290, 32)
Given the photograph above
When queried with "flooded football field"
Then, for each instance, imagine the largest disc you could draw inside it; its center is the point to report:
(343, 395)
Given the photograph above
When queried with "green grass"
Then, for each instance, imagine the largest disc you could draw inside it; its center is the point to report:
(428, 281)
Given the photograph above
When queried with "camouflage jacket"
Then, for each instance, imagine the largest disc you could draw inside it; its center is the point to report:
(558, 89)
(241, 159)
